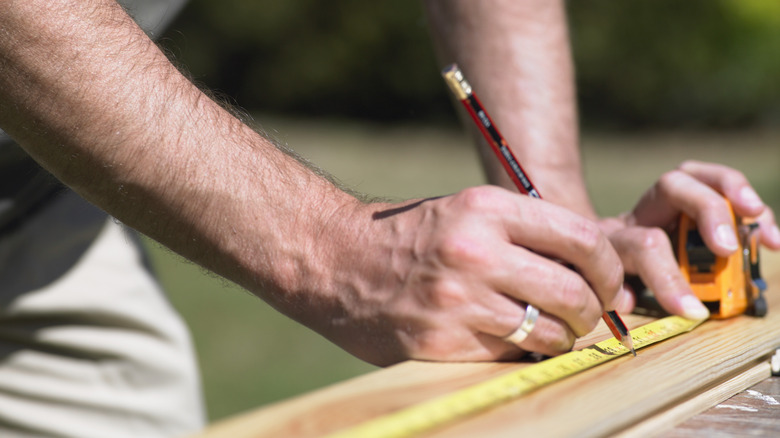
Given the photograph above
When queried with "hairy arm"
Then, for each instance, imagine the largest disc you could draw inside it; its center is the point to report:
(91, 98)
(516, 56)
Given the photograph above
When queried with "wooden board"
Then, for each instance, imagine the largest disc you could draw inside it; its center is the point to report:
(675, 414)
(754, 412)
(608, 399)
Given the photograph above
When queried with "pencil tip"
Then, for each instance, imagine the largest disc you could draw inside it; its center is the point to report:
(628, 342)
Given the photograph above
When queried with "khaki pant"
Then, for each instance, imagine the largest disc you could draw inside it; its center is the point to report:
(89, 346)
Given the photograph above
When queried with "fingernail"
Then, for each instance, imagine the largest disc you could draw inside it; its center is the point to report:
(750, 197)
(775, 234)
(726, 237)
(693, 308)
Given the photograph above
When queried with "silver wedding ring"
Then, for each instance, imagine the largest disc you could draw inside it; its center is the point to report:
(522, 332)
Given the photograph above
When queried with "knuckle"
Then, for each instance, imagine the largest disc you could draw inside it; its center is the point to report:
(448, 294)
(671, 175)
(739, 181)
(478, 198)
(653, 239)
(669, 179)
(588, 238)
(573, 294)
(555, 337)
(674, 281)
(460, 249)
(688, 165)
(732, 176)
(713, 203)
(729, 177)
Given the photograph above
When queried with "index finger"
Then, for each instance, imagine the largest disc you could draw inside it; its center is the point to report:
(678, 191)
(770, 234)
(730, 182)
(649, 253)
(558, 233)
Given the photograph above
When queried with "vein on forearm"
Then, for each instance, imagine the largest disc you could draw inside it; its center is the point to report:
(100, 106)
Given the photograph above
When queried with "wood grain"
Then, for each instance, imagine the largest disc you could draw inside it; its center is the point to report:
(661, 423)
(754, 412)
(606, 400)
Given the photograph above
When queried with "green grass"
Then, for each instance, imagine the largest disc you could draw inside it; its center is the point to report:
(250, 355)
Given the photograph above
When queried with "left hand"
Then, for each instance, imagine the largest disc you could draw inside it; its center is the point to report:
(697, 189)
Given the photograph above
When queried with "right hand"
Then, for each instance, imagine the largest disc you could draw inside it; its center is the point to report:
(448, 278)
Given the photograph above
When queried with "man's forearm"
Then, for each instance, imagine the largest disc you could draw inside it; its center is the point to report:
(90, 97)
(516, 55)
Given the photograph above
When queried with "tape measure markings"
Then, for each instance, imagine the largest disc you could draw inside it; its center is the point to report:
(474, 399)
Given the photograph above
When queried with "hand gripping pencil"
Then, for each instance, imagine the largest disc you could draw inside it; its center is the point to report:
(463, 92)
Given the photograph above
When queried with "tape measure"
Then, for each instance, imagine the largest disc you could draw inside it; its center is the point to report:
(457, 405)
(727, 286)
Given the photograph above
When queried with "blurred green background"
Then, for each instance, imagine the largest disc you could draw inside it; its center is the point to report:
(640, 64)
(354, 86)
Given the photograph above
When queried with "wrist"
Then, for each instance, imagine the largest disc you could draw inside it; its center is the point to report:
(344, 287)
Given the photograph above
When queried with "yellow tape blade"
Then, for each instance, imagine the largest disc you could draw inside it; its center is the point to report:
(469, 401)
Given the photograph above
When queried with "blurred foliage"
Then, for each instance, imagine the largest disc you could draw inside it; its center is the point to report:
(640, 64)
(698, 62)
(337, 58)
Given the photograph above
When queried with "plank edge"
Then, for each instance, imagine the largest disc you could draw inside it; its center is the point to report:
(699, 401)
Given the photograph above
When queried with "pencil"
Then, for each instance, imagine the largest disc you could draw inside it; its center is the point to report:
(465, 94)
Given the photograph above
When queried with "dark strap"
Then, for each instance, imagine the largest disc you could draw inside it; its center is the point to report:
(25, 186)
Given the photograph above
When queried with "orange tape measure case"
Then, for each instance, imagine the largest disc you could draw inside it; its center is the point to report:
(728, 286)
